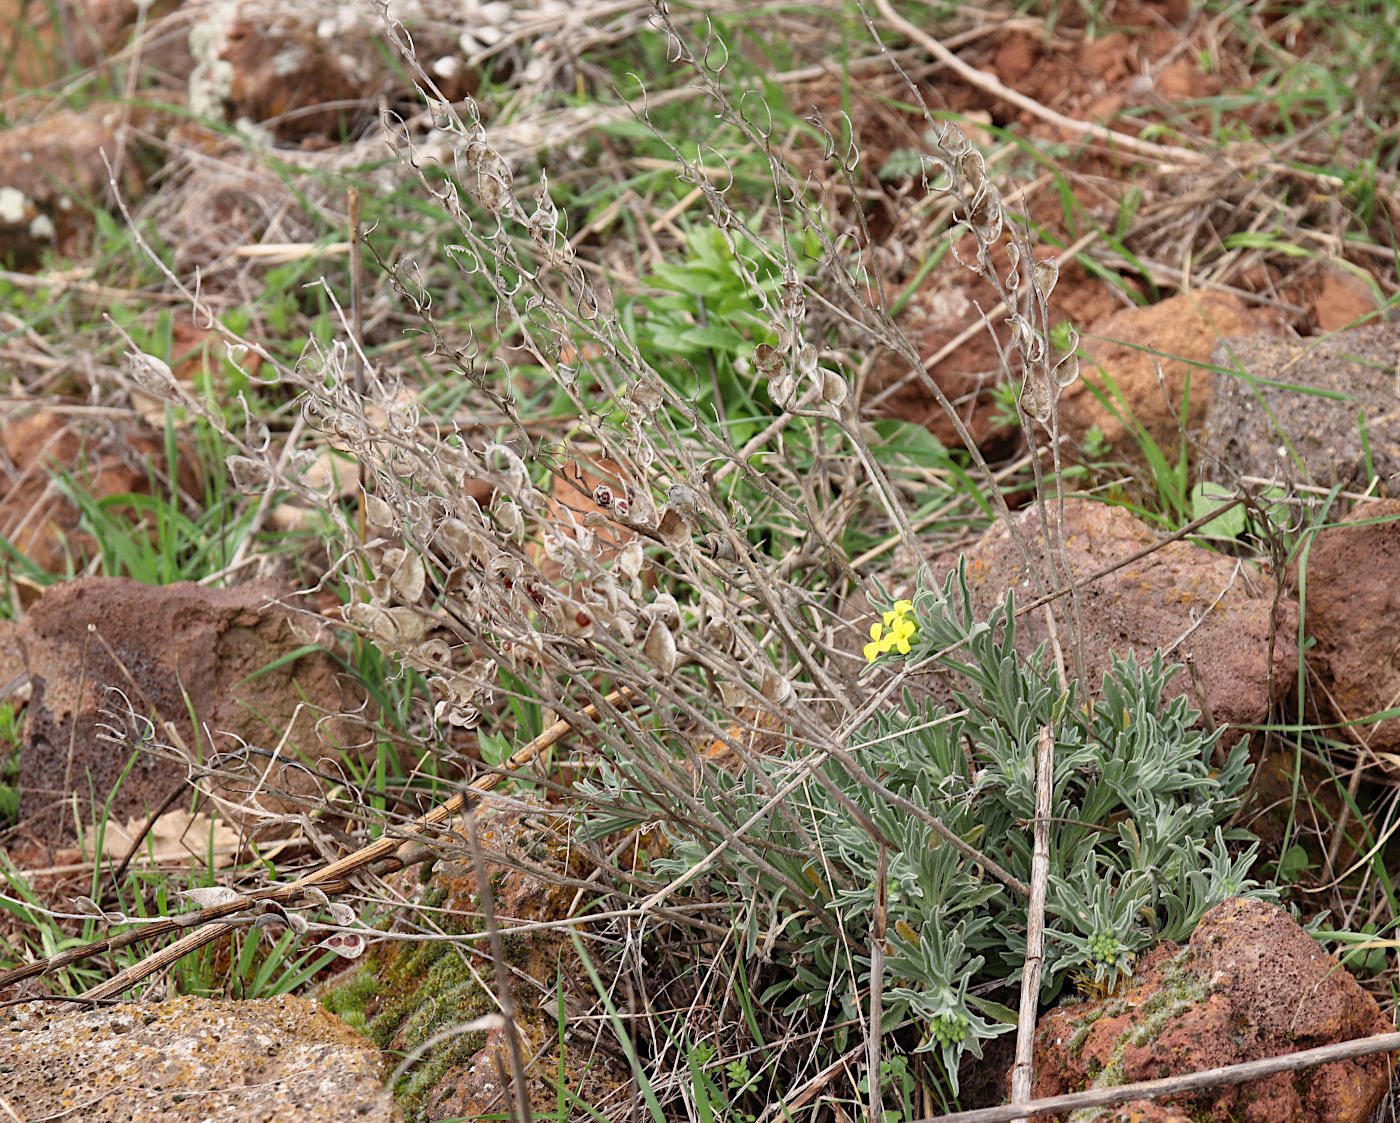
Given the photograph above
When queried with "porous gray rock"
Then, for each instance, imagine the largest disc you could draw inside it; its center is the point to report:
(190, 1060)
(1323, 411)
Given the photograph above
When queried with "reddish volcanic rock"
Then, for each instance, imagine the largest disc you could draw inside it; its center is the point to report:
(1250, 984)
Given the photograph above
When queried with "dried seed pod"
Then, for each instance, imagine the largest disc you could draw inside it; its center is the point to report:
(660, 648)
(1013, 269)
(505, 568)
(673, 529)
(1035, 396)
(777, 688)
(347, 945)
(1067, 369)
(151, 374)
(249, 476)
(733, 696)
(783, 391)
(719, 634)
(665, 609)
(409, 578)
(377, 512)
(505, 463)
(509, 519)
(402, 625)
(629, 560)
(458, 539)
(833, 387)
(1044, 276)
(341, 913)
(435, 653)
(767, 360)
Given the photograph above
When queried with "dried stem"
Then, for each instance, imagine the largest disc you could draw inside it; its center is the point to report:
(1022, 1071)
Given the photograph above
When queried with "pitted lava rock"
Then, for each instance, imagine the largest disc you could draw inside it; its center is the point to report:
(1180, 590)
(1250, 984)
(1353, 603)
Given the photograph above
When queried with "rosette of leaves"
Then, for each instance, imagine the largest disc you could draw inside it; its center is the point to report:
(1138, 846)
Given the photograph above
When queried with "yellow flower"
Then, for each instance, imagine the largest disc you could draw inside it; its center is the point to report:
(893, 632)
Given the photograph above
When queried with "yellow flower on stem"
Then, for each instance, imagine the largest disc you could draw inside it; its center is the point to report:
(893, 632)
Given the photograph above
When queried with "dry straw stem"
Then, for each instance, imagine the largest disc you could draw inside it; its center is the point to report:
(1178, 1085)
(334, 876)
(1023, 1071)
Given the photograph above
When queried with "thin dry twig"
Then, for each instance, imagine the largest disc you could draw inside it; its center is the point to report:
(1178, 1085)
